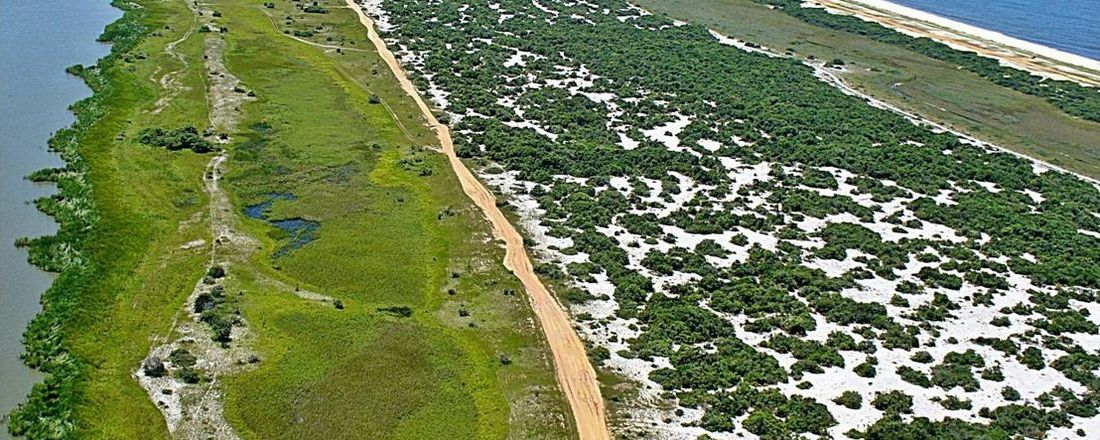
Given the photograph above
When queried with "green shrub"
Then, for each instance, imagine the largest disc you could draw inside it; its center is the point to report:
(914, 377)
(867, 368)
(849, 399)
(953, 403)
(893, 402)
(186, 137)
(922, 356)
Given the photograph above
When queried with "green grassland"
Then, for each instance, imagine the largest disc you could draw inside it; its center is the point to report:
(932, 88)
(395, 232)
(386, 240)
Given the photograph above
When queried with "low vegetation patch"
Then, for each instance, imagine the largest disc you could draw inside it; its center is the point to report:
(176, 139)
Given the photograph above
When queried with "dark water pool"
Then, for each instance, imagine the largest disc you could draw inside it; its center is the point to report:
(259, 210)
(300, 232)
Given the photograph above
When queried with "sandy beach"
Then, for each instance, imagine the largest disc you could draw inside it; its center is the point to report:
(1010, 51)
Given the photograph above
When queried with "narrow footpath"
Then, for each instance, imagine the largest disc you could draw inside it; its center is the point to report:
(575, 374)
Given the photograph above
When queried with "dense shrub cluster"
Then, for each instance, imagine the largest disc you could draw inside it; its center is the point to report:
(177, 139)
(545, 120)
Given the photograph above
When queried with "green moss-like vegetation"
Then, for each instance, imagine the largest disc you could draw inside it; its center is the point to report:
(390, 360)
(416, 351)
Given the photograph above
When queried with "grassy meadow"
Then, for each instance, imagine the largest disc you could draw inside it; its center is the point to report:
(396, 232)
(435, 338)
(144, 197)
(929, 87)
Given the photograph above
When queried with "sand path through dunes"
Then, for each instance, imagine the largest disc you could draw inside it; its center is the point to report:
(575, 375)
(1023, 55)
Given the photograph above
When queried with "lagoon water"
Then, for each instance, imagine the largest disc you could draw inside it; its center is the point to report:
(1068, 25)
(38, 40)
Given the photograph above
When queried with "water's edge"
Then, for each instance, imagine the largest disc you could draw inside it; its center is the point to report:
(1063, 26)
(37, 95)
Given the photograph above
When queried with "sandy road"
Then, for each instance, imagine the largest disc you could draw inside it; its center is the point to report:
(575, 375)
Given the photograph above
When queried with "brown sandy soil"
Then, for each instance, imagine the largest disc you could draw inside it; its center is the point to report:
(575, 374)
(1021, 58)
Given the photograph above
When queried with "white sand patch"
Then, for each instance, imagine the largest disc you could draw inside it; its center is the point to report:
(627, 143)
(741, 142)
(193, 244)
(378, 14)
(508, 185)
(544, 8)
(598, 97)
(667, 133)
(944, 197)
(834, 268)
(742, 45)
(710, 145)
(989, 186)
(1034, 196)
(533, 126)
(519, 58)
(438, 96)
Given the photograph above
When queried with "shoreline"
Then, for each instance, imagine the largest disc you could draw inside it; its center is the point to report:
(1010, 51)
(32, 150)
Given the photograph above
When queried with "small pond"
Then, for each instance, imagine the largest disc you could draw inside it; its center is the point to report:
(299, 232)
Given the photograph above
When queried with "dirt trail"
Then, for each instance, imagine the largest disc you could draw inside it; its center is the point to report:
(170, 82)
(1023, 59)
(574, 372)
(193, 411)
(303, 40)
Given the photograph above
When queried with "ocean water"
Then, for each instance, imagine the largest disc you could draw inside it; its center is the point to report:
(38, 40)
(1068, 25)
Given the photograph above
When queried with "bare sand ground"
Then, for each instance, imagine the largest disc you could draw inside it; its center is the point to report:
(575, 374)
(1017, 53)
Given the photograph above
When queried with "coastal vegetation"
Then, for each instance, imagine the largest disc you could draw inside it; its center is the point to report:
(71, 252)
(756, 243)
(1071, 97)
(746, 249)
(920, 84)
